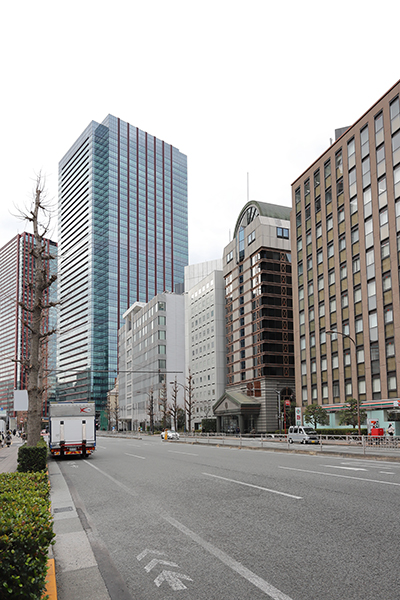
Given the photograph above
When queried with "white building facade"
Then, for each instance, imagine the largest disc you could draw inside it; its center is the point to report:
(151, 356)
(205, 337)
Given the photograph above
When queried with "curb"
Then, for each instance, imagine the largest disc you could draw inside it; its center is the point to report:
(51, 586)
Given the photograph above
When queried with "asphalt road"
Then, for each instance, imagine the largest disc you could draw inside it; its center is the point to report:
(203, 522)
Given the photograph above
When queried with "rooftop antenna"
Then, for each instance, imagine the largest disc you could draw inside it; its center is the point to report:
(248, 187)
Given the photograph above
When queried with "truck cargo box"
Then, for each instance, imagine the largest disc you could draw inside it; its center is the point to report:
(72, 428)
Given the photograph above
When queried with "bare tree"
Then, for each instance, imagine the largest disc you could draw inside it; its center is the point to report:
(189, 400)
(112, 407)
(173, 407)
(164, 404)
(36, 311)
(150, 410)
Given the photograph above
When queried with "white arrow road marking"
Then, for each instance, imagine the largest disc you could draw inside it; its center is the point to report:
(173, 580)
(147, 551)
(346, 468)
(157, 561)
(258, 487)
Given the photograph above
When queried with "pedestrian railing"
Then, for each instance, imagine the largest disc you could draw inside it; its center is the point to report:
(359, 444)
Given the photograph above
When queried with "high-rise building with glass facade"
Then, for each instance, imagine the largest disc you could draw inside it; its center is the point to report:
(346, 256)
(123, 238)
(17, 271)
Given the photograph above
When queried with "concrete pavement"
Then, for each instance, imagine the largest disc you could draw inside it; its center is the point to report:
(76, 575)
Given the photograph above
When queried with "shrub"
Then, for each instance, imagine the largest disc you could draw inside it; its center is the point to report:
(32, 458)
(26, 531)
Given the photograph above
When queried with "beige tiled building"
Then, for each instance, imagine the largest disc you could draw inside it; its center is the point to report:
(345, 227)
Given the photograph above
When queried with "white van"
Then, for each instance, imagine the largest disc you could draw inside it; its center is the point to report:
(304, 435)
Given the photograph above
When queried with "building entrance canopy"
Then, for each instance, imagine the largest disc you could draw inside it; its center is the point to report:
(236, 411)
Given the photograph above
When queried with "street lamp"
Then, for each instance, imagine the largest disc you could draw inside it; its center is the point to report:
(345, 335)
(279, 411)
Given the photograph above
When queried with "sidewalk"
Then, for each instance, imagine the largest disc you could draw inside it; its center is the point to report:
(8, 456)
(77, 576)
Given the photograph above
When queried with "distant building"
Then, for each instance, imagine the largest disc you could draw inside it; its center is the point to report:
(17, 273)
(123, 238)
(151, 358)
(345, 248)
(205, 336)
(258, 321)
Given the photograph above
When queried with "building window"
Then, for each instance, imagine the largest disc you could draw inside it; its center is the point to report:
(379, 135)
(392, 383)
(364, 137)
(386, 282)
(359, 325)
(354, 235)
(395, 115)
(229, 256)
(388, 313)
(339, 164)
(282, 232)
(351, 153)
(251, 237)
(390, 350)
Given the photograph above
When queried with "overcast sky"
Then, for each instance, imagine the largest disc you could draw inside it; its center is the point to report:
(252, 87)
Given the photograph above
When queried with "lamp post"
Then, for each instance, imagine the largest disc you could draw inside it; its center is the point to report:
(278, 393)
(345, 335)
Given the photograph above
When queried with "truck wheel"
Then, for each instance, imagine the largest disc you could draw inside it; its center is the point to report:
(290, 441)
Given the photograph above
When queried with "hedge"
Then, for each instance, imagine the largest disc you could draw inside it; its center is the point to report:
(32, 458)
(26, 532)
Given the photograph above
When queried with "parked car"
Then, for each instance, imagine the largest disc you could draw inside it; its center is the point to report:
(304, 435)
(171, 435)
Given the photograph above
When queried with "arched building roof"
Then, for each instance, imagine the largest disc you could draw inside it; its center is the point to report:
(253, 209)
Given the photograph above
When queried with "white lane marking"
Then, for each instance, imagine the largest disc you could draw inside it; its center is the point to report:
(372, 465)
(102, 447)
(343, 476)
(230, 562)
(386, 473)
(177, 452)
(257, 487)
(135, 455)
(115, 481)
(135, 445)
(347, 468)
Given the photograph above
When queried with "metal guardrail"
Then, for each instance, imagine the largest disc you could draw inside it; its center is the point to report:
(364, 443)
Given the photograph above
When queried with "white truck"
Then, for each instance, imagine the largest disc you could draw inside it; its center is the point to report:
(72, 428)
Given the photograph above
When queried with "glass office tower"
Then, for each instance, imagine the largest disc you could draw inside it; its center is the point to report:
(123, 237)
